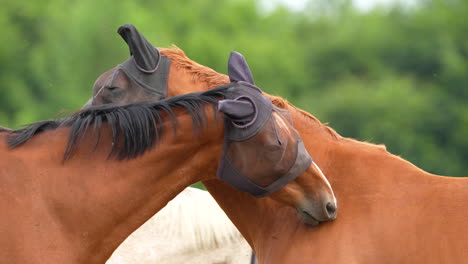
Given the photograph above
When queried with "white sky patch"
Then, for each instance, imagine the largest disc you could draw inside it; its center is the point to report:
(299, 5)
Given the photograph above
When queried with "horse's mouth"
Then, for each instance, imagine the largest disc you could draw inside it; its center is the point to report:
(308, 218)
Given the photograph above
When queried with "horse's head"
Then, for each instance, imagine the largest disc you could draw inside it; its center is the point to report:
(168, 73)
(269, 163)
(121, 90)
(264, 155)
(142, 77)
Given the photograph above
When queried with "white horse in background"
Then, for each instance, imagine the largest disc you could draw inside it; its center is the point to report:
(191, 228)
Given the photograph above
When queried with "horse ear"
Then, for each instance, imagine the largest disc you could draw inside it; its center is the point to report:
(145, 54)
(239, 111)
(238, 69)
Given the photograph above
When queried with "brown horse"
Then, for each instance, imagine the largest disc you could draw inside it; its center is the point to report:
(390, 210)
(75, 200)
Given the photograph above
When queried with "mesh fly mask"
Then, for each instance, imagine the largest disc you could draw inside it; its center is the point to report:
(146, 69)
(262, 151)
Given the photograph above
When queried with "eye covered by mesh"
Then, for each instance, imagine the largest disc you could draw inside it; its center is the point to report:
(262, 150)
(130, 89)
(267, 156)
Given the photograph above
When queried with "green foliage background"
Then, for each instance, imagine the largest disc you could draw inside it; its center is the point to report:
(396, 76)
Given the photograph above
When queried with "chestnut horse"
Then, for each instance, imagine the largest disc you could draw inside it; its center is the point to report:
(390, 210)
(75, 200)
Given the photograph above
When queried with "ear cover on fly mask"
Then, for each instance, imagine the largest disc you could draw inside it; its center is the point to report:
(146, 55)
(147, 68)
(238, 69)
(262, 151)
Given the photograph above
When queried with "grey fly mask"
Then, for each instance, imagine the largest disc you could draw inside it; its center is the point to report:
(262, 151)
(146, 69)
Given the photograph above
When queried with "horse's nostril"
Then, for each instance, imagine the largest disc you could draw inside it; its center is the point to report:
(331, 208)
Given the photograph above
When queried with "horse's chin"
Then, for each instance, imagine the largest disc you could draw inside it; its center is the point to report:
(307, 218)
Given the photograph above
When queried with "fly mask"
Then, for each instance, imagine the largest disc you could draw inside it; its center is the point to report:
(146, 68)
(262, 151)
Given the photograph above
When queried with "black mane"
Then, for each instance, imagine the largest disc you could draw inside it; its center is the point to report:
(4, 129)
(135, 127)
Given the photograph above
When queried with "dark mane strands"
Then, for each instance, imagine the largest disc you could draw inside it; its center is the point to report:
(20, 136)
(4, 129)
(135, 128)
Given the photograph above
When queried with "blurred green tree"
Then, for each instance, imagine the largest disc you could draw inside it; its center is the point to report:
(393, 75)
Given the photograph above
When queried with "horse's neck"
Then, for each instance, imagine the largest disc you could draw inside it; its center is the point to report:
(362, 175)
(92, 203)
(147, 184)
(187, 76)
